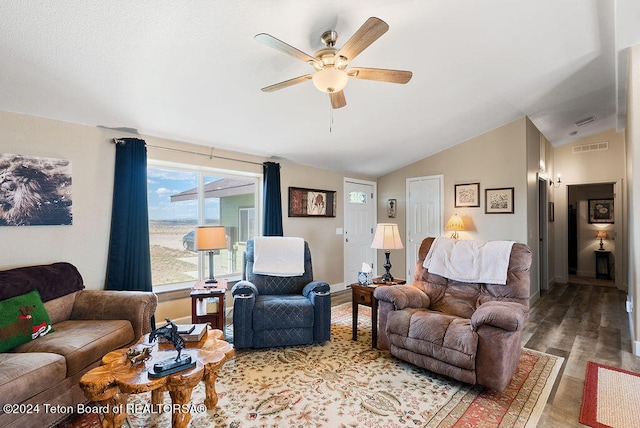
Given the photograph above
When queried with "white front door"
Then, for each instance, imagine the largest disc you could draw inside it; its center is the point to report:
(359, 227)
(425, 217)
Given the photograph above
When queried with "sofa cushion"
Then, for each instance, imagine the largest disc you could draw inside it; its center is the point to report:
(60, 309)
(276, 312)
(83, 343)
(24, 375)
(444, 337)
(22, 319)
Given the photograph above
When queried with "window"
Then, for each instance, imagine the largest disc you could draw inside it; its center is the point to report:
(180, 200)
(357, 197)
(246, 223)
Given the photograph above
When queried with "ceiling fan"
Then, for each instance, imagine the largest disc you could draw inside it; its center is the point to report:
(331, 74)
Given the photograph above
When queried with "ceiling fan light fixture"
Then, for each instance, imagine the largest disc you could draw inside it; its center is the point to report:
(330, 79)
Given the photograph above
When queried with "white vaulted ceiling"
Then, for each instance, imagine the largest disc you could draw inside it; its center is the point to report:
(192, 71)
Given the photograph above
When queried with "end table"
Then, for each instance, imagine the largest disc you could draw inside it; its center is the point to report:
(215, 317)
(363, 295)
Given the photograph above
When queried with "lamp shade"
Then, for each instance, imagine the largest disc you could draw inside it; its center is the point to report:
(455, 223)
(210, 238)
(602, 234)
(330, 79)
(387, 237)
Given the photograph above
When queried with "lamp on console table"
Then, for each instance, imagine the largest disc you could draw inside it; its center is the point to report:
(387, 238)
(602, 234)
(210, 238)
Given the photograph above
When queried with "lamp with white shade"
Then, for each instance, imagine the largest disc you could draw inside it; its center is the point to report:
(387, 238)
(210, 239)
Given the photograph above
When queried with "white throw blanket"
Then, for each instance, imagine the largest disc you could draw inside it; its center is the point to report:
(469, 261)
(278, 256)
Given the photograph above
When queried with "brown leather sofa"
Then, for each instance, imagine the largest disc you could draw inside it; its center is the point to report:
(40, 378)
(467, 331)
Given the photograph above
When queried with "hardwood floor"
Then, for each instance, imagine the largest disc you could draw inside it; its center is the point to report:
(580, 322)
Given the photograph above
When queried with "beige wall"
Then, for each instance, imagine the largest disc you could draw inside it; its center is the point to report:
(593, 167)
(495, 159)
(85, 243)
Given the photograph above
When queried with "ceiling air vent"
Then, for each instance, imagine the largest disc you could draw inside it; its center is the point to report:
(593, 147)
(585, 121)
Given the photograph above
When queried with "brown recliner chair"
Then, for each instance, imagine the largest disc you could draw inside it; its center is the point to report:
(468, 331)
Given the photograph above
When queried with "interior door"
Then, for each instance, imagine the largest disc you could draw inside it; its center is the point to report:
(359, 226)
(425, 217)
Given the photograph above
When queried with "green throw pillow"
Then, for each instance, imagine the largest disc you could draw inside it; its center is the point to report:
(22, 319)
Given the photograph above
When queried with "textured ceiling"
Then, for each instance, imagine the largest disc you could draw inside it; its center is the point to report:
(191, 71)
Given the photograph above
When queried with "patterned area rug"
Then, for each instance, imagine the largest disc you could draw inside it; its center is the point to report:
(611, 397)
(348, 384)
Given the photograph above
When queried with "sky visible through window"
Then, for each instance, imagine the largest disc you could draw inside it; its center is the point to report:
(162, 184)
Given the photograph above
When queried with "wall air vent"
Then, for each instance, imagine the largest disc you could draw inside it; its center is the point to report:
(583, 122)
(592, 147)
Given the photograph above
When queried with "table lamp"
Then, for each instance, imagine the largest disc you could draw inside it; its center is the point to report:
(602, 234)
(210, 238)
(387, 238)
(456, 225)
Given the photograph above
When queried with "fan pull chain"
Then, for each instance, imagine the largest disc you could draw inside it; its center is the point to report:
(330, 119)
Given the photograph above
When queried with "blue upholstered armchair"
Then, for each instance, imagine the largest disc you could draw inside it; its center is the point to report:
(280, 311)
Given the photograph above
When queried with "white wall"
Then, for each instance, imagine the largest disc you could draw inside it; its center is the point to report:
(633, 177)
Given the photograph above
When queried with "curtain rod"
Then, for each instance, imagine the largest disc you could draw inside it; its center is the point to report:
(210, 156)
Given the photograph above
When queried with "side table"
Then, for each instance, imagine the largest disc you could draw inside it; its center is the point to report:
(198, 300)
(602, 264)
(363, 295)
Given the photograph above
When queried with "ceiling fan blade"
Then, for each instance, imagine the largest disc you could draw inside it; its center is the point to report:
(283, 47)
(337, 99)
(287, 83)
(380, 74)
(370, 31)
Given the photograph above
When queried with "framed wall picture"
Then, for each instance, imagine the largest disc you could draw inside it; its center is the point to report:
(499, 201)
(552, 212)
(391, 208)
(35, 191)
(467, 195)
(601, 211)
(311, 202)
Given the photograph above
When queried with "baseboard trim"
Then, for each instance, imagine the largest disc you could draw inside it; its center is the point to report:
(534, 297)
(337, 287)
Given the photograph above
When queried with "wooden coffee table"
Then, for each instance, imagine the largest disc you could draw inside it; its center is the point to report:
(112, 382)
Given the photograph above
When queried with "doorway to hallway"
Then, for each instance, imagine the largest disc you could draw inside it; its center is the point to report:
(591, 209)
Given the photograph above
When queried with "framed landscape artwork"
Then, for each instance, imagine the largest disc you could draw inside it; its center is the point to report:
(467, 195)
(499, 201)
(601, 211)
(35, 191)
(311, 202)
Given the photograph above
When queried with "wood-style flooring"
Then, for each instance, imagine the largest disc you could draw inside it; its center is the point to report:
(581, 321)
